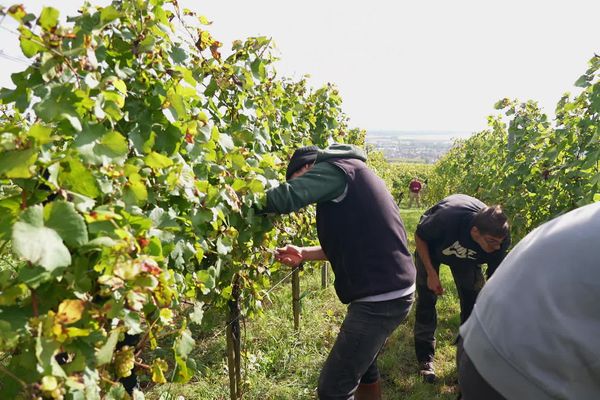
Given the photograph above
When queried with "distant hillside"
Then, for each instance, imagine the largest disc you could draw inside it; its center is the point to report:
(418, 135)
(413, 146)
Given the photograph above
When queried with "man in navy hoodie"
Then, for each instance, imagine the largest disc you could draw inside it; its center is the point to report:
(362, 235)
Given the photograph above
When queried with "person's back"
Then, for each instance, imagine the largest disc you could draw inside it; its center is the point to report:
(415, 186)
(414, 189)
(363, 235)
(534, 331)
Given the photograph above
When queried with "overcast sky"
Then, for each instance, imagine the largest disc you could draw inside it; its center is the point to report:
(406, 65)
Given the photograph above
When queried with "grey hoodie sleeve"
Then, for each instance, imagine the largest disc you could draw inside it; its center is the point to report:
(323, 182)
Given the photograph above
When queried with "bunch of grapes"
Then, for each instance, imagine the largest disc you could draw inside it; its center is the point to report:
(124, 361)
(49, 388)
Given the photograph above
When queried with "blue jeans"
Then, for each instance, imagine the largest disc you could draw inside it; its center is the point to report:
(353, 358)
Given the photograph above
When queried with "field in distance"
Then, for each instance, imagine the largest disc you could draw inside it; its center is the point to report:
(413, 146)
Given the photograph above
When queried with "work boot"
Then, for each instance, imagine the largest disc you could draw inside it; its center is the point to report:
(368, 391)
(426, 371)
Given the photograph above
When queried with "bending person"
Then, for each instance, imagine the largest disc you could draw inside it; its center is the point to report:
(362, 235)
(463, 233)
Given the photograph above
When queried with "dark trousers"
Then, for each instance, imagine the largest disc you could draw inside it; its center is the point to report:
(353, 358)
(472, 385)
(469, 281)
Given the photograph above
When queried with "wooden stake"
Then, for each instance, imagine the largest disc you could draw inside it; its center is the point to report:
(296, 297)
(234, 343)
(324, 275)
(237, 334)
(231, 365)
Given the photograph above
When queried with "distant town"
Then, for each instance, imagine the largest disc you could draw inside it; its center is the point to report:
(413, 146)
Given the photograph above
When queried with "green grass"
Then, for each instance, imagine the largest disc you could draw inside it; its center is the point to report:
(282, 364)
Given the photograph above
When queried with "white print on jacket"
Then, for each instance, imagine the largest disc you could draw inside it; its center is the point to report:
(457, 250)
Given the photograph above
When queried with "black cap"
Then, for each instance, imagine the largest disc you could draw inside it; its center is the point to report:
(301, 157)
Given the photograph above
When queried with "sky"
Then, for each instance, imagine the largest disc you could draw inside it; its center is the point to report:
(428, 65)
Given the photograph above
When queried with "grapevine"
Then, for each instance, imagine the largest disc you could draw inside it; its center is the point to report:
(133, 156)
(536, 168)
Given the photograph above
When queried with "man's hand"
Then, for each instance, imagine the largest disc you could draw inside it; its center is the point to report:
(289, 255)
(434, 284)
(433, 280)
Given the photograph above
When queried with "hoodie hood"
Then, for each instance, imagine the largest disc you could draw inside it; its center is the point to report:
(302, 156)
(338, 150)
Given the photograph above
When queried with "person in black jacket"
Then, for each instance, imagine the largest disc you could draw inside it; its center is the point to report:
(362, 235)
(463, 233)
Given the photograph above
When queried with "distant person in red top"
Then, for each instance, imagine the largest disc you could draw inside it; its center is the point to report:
(414, 192)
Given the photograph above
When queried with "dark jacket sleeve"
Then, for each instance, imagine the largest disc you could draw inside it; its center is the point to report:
(323, 182)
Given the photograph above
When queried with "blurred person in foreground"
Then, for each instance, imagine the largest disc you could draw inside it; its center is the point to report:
(535, 330)
(362, 235)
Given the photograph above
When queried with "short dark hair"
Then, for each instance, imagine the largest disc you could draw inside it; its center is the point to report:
(301, 157)
(492, 221)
